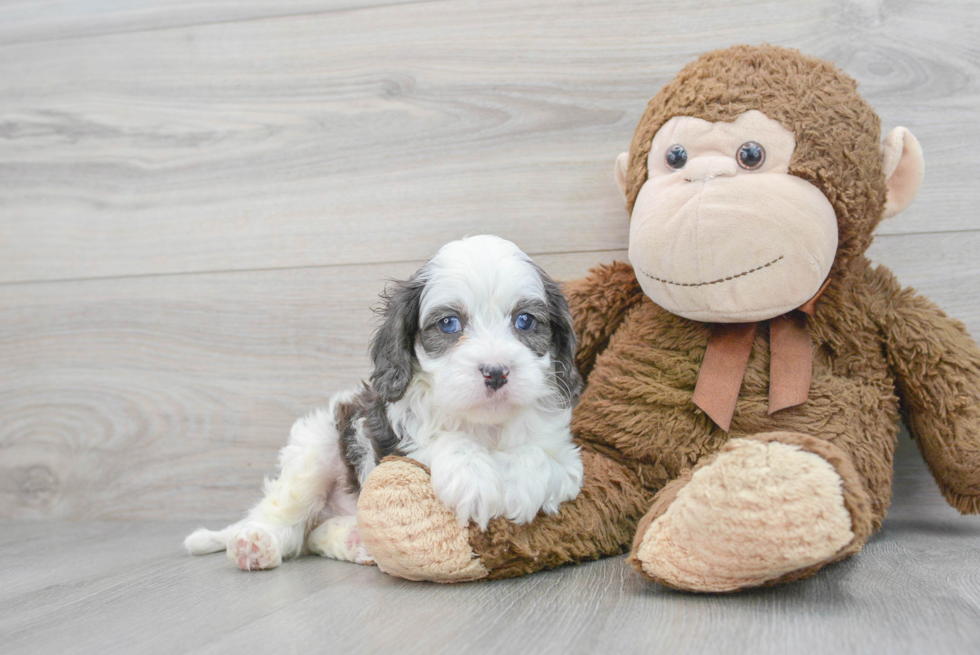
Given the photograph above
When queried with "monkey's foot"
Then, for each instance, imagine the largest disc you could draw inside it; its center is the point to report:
(763, 510)
(254, 548)
(408, 531)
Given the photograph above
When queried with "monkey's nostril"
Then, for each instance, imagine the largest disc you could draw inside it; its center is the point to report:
(494, 376)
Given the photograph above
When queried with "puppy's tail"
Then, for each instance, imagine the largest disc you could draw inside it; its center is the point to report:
(202, 541)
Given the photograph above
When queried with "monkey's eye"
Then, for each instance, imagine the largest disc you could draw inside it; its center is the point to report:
(449, 324)
(524, 322)
(676, 156)
(751, 155)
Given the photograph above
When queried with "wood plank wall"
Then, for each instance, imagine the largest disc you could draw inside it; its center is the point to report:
(200, 203)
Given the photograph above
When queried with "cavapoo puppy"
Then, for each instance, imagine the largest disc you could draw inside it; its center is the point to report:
(473, 376)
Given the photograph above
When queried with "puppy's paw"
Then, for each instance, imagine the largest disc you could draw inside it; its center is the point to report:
(523, 500)
(526, 485)
(566, 480)
(471, 488)
(254, 548)
(338, 538)
(536, 480)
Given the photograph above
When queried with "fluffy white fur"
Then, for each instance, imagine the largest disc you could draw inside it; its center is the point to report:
(492, 452)
(308, 493)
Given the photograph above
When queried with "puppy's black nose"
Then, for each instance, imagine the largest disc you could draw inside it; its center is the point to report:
(495, 376)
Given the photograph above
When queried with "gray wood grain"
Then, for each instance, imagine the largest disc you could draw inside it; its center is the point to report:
(377, 135)
(128, 398)
(132, 398)
(23, 21)
(123, 587)
(199, 203)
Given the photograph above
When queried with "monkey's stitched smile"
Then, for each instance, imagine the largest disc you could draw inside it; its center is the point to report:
(719, 280)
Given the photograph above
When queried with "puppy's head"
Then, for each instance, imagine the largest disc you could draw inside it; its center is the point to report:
(485, 329)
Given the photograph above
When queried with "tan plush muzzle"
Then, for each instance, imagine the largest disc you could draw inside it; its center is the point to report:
(713, 242)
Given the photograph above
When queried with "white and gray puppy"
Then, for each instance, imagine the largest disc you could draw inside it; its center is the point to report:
(474, 376)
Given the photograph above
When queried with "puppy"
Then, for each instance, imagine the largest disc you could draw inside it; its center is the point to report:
(473, 376)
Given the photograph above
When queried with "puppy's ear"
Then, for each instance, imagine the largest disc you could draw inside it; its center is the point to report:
(568, 380)
(393, 345)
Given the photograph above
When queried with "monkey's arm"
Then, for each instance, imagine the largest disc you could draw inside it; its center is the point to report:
(598, 303)
(411, 534)
(937, 370)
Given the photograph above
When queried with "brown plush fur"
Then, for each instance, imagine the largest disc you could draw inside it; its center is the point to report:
(878, 349)
(596, 524)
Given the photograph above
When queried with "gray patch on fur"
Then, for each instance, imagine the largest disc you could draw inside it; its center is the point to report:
(350, 452)
(366, 435)
(567, 379)
(393, 345)
(434, 341)
(538, 338)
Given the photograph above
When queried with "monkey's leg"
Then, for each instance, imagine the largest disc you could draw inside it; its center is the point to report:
(765, 509)
(411, 534)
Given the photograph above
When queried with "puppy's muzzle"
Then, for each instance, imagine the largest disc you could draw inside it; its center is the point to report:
(494, 376)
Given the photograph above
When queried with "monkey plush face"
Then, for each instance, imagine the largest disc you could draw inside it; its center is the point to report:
(755, 176)
(720, 231)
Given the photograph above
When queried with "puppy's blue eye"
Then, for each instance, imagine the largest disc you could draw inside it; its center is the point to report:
(524, 322)
(450, 324)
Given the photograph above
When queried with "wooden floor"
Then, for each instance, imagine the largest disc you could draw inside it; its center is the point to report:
(127, 587)
(199, 203)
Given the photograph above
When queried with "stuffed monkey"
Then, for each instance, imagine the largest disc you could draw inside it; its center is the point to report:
(747, 371)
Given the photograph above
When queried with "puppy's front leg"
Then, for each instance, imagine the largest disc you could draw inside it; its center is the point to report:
(464, 477)
(567, 475)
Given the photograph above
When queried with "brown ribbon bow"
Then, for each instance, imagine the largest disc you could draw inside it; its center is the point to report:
(729, 346)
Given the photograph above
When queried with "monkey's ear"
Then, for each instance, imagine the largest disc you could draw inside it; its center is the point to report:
(622, 165)
(902, 163)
